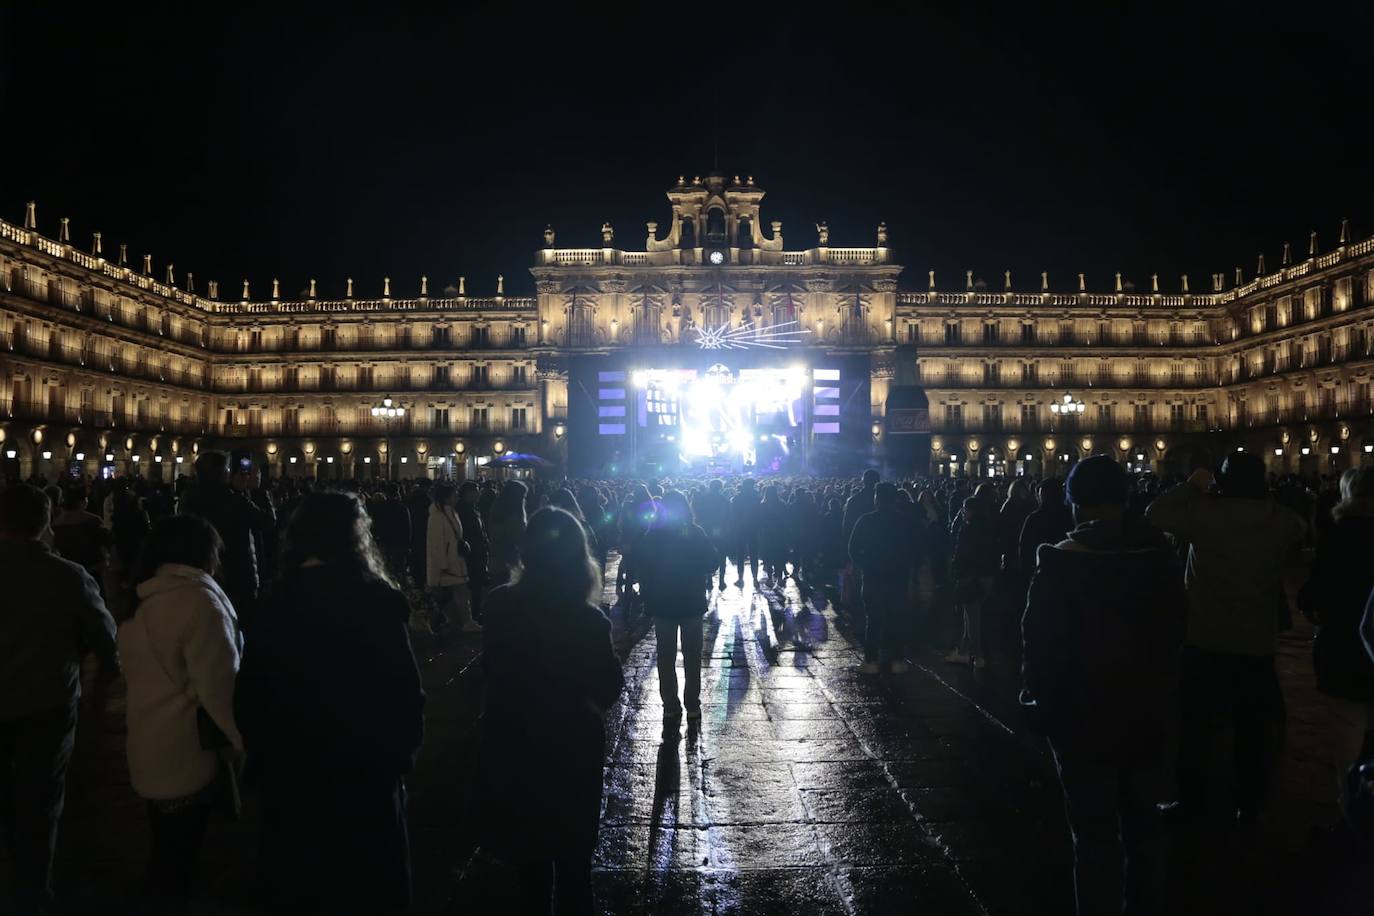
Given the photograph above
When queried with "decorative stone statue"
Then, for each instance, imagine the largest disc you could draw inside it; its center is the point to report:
(548, 236)
(823, 233)
(607, 233)
(882, 235)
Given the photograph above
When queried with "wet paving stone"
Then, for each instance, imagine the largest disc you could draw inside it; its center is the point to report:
(891, 890)
(869, 844)
(788, 845)
(856, 805)
(801, 790)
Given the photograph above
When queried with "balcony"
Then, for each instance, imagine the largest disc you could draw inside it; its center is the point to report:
(68, 415)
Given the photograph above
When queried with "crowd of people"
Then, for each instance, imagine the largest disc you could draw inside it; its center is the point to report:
(263, 629)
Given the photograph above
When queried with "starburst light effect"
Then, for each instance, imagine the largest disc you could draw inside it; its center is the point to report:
(770, 336)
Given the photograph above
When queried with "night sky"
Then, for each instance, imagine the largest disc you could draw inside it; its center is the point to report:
(261, 141)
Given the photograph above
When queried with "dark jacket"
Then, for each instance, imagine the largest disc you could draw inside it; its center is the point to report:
(674, 570)
(81, 537)
(551, 673)
(1105, 618)
(52, 616)
(978, 546)
(883, 545)
(1048, 524)
(855, 508)
(391, 526)
(479, 545)
(713, 514)
(1334, 598)
(329, 701)
(240, 524)
(745, 508)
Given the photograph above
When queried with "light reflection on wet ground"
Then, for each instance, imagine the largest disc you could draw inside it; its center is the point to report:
(789, 797)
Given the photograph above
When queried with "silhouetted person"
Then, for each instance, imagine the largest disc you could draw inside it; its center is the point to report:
(239, 524)
(712, 510)
(417, 503)
(1240, 542)
(745, 514)
(678, 559)
(79, 536)
(773, 535)
(391, 529)
(1048, 524)
(52, 616)
(329, 703)
(1338, 587)
(976, 562)
(479, 547)
(551, 675)
(883, 548)
(506, 530)
(1104, 621)
(855, 507)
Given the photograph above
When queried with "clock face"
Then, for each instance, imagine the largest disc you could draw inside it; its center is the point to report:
(717, 257)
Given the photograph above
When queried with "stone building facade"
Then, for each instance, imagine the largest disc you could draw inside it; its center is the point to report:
(104, 365)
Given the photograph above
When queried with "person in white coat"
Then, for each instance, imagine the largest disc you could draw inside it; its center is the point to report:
(446, 570)
(182, 650)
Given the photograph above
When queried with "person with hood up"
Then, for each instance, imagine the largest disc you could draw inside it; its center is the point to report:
(1103, 624)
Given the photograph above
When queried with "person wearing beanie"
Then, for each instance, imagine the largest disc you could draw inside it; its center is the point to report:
(1104, 620)
(1239, 543)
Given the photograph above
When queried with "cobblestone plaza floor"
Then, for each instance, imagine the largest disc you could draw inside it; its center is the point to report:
(808, 788)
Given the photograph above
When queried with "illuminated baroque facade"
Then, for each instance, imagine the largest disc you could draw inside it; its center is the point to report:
(103, 364)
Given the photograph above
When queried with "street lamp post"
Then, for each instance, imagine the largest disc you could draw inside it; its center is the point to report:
(1068, 406)
(387, 411)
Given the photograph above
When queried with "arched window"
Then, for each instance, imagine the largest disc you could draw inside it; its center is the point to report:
(715, 226)
(744, 234)
(688, 235)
